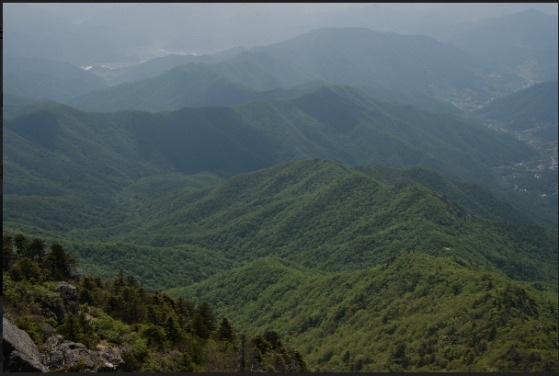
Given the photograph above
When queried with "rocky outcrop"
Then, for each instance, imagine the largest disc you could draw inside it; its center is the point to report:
(69, 295)
(20, 353)
(64, 303)
(61, 355)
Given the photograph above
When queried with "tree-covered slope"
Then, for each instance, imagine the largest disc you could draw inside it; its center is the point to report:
(334, 122)
(135, 177)
(15, 105)
(475, 198)
(62, 320)
(324, 215)
(416, 313)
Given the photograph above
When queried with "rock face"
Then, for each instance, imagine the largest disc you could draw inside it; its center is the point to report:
(64, 304)
(69, 296)
(20, 353)
(75, 357)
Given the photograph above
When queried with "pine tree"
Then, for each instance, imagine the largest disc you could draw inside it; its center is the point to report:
(36, 250)
(273, 338)
(204, 321)
(225, 331)
(172, 330)
(20, 242)
(71, 329)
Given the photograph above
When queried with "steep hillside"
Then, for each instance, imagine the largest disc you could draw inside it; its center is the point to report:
(57, 319)
(416, 313)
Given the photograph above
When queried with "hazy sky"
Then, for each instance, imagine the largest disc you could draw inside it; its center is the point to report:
(469, 11)
(146, 30)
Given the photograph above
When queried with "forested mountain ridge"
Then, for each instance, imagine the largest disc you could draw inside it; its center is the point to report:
(314, 212)
(477, 199)
(336, 122)
(413, 313)
(322, 213)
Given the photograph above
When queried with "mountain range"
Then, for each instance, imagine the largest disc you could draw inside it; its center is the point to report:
(336, 188)
(353, 56)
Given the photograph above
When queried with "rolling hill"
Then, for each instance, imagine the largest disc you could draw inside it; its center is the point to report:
(334, 122)
(159, 65)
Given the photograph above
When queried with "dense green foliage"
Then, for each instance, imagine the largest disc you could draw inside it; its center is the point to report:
(374, 230)
(477, 199)
(153, 332)
(315, 212)
(325, 215)
(263, 133)
(413, 313)
(68, 171)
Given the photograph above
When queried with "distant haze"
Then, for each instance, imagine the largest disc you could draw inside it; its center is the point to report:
(95, 33)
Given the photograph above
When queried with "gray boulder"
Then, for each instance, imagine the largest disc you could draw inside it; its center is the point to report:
(69, 295)
(20, 353)
(76, 357)
(63, 303)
